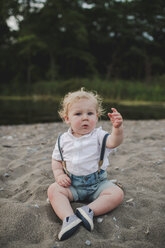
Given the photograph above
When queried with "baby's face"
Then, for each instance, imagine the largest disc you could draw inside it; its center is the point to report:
(82, 117)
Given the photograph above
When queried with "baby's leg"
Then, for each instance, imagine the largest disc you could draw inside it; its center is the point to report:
(108, 199)
(60, 198)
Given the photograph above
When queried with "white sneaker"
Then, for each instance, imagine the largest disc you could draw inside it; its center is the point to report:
(86, 215)
(69, 226)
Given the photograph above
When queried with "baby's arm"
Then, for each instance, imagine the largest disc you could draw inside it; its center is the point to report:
(116, 137)
(61, 178)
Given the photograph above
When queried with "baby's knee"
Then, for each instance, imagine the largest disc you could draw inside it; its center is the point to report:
(52, 190)
(55, 189)
(120, 195)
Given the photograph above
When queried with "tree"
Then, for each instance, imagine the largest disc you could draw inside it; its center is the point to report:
(78, 38)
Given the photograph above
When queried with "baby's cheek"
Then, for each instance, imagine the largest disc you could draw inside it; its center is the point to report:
(93, 122)
(78, 123)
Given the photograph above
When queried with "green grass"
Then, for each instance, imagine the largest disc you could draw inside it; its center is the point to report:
(111, 90)
(31, 98)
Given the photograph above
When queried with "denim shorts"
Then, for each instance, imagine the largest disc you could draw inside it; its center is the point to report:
(88, 188)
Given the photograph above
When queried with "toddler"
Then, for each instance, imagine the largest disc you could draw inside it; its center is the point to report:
(79, 173)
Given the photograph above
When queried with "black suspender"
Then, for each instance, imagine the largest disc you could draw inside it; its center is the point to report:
(62, 158)
(101, 154)
(102, 151)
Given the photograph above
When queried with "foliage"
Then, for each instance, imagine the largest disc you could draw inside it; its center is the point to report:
(111, 90)
(59, 40)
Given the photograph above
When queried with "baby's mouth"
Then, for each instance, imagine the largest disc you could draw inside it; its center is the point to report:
(85, 126)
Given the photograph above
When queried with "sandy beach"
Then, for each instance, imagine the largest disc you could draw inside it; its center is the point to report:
(26, 217)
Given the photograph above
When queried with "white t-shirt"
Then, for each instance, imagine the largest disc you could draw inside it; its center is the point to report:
(82, 154)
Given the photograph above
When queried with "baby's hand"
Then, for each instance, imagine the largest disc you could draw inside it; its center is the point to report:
(115, 118)
(63, 180)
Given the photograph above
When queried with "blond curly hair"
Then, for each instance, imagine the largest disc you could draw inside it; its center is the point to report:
(73, 97)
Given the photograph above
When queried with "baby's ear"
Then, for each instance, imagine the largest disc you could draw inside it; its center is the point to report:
(66, 118)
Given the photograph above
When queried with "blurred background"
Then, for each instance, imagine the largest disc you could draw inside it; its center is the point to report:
(50, 47)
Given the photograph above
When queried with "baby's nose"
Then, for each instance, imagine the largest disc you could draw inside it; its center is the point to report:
(85, 116)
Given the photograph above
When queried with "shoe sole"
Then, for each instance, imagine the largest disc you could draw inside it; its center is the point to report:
(69, 230)
(87, 222)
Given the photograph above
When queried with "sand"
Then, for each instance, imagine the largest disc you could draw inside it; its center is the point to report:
(26, 216)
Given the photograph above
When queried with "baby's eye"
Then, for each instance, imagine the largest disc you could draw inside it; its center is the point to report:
(90, 113)
(77, 114)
